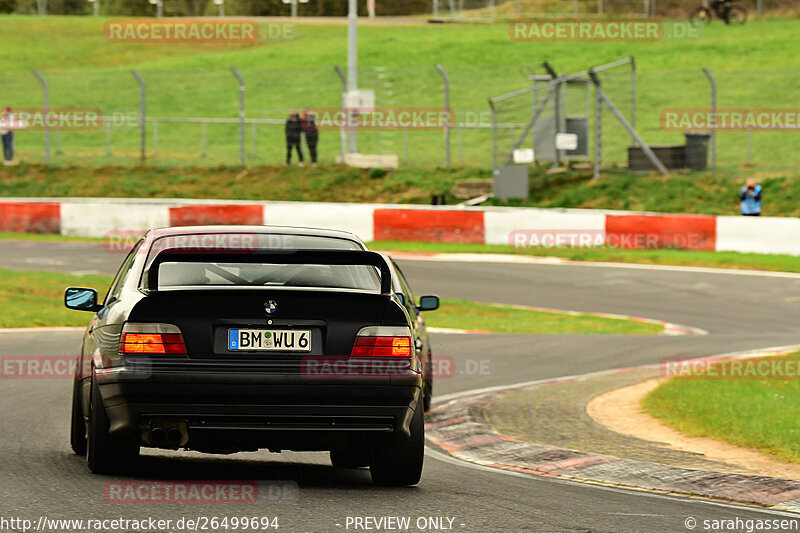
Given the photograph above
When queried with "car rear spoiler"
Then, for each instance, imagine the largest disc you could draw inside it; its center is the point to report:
(299, 257)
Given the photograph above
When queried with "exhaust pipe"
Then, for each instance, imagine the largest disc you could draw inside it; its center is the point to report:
(174, 436)
(157, 435)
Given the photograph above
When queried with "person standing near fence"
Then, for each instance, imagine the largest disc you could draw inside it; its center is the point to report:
(7, 133)
(309, 124)
(750, 196)
(293, 131)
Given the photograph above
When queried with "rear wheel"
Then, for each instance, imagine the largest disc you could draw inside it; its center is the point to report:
(737, 15)
(427, 387)
(344, 458)
(427, 394)
(104, 454)
(701, 15)
(77, 434)
(399, 461)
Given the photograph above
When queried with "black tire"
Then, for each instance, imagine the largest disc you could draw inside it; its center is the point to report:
(427, 394)
(398, 462)
(737, 14)
(344, 458)
(427, 387)
(701, 15)
(77, 433)
(105, 455)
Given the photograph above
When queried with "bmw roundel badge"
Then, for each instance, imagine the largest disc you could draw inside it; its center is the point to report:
(270, 307)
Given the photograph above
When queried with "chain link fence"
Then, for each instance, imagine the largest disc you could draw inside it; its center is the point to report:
(192, 116)
(492, 10)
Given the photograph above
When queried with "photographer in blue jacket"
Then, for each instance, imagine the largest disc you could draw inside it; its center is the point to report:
(750, 196)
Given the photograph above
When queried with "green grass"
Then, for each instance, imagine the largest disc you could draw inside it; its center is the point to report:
(758, 413)
(30, 299)
(6, 235)
(332, 183)
(677, 193)
(335, 183)
(735, 260)
(84, 70)
(462, 314)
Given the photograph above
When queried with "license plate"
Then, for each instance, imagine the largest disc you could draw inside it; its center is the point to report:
(270, 340)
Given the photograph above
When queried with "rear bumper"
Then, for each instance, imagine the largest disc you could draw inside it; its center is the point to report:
(230, 411)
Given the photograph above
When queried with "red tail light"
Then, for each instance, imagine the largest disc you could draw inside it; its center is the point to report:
(383, 341)
(138, 338)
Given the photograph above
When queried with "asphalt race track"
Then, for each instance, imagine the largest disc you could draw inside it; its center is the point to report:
(39, 475)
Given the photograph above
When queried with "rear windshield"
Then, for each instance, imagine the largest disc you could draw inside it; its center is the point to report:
(183, 274)
(245, 274)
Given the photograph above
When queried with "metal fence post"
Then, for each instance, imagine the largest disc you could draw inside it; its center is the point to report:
(46, 96)
(494, 136)
(142, 115)
(557, 121)
(598, 130)
(460, 145)
(352, 71)
(713, 120)
(155, 137)
(648, 152)
(749, 145)
(342, 132)
(405, 146)
(203, 129)
(241, 114)
(108, 138)
(446, 81)
(254, 135)
(633, 92)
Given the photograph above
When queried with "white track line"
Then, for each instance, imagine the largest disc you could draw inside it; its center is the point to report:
(443, 457)
(582, 377)
(42, 330)
(760, 352)
(557, 261)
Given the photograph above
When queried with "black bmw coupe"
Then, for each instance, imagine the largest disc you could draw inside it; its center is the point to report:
(223, 339)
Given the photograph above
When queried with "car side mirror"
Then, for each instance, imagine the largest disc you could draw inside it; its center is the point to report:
(428, 303)
(81, 299)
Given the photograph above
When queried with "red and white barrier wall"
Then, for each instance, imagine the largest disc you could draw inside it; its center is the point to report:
(97, 217)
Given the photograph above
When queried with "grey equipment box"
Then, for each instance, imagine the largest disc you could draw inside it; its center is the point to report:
(511, 182)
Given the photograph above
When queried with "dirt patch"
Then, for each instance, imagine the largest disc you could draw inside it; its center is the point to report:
(620, 411)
